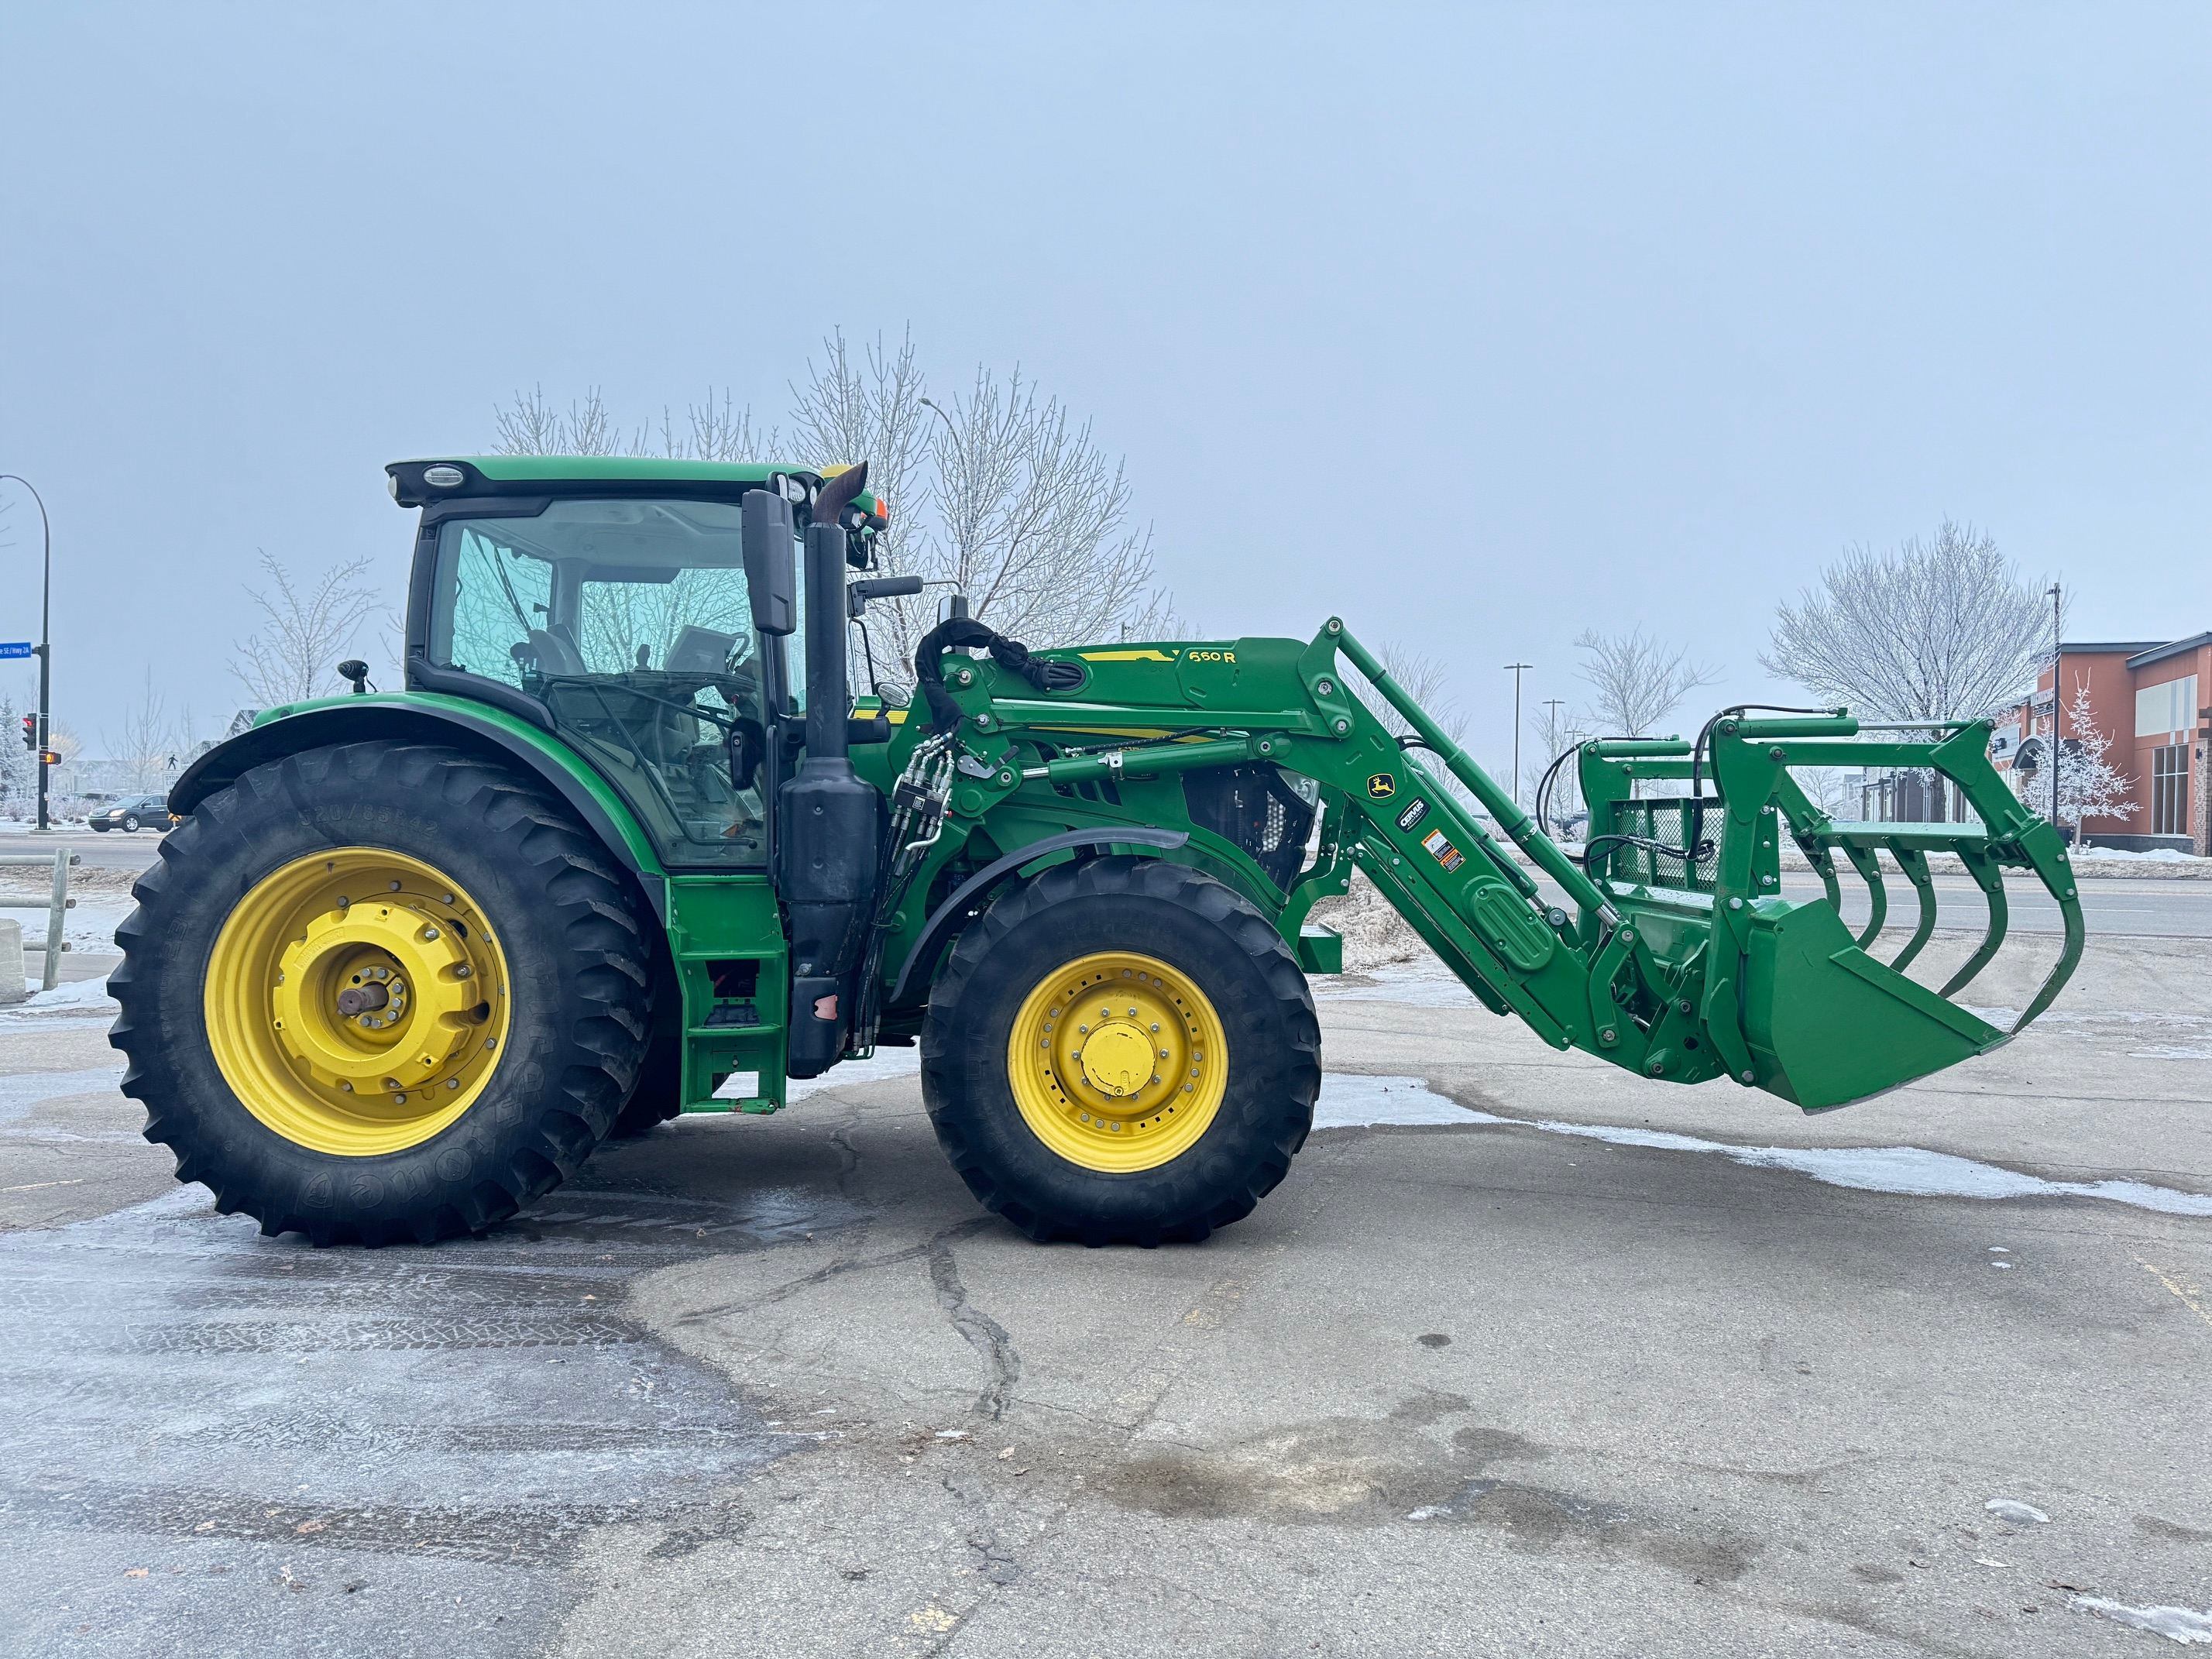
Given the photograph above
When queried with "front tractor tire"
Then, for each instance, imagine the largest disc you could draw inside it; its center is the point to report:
(381, 992)
(1121, 1051)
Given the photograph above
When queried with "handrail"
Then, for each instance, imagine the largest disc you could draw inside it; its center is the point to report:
(56, 904)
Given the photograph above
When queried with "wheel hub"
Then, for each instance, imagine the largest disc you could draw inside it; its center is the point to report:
(410, 986)
(1117, 1058)
(1117, 1061)
(356, 1001)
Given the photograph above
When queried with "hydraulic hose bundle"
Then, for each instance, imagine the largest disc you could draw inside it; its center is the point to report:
(1010, 654)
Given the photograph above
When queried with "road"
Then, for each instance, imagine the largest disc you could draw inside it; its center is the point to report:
(113, 849)
(1526, 1356)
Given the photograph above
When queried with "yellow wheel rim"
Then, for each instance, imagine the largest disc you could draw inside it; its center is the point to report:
(1118, 1061)
(356, 1001)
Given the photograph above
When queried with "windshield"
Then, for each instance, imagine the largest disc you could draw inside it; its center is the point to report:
(630, 621)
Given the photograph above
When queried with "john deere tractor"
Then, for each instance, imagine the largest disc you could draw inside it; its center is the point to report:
(627, 845)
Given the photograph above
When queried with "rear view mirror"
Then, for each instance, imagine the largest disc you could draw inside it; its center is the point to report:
(771, 563)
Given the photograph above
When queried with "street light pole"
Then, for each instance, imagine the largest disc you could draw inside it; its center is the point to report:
(1552, 734)
(1516, 668)
(2055, 654)
(46, 638)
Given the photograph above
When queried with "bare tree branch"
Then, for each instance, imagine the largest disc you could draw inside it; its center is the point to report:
(1015, 504)
(1635, 683)
(304, 630)
(151, 747)
(1032, 521)
(1943, 629)
(871, 410)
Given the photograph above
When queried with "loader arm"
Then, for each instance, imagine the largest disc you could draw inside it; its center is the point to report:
(1670, 964)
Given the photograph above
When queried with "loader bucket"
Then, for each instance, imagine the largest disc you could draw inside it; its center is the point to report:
(1788, 998)
(1827, 1025)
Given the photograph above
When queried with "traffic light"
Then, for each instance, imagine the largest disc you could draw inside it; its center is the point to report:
(50, 757)
(30, 731)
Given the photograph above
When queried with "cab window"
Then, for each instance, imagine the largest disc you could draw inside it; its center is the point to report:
(630, 621)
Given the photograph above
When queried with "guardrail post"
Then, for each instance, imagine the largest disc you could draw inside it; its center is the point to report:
(51, 975)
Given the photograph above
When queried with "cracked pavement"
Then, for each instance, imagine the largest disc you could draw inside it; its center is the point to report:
(775, 1386)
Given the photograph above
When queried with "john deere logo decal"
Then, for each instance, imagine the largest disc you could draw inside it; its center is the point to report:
(1381, 786)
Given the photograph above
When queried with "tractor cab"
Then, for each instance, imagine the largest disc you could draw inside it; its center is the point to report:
(610, 600)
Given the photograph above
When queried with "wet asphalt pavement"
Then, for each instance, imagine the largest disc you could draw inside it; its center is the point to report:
(775, 1386)
(268, 1449)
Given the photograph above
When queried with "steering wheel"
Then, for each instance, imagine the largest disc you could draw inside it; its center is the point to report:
(554, 654)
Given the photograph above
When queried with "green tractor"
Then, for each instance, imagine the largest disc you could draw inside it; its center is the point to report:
(627, 845)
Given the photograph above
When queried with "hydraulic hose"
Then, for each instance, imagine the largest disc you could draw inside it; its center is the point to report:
(929, 666)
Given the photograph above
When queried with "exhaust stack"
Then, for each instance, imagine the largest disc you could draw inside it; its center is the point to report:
(830, 822)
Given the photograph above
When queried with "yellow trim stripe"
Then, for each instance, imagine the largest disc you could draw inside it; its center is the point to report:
(1148, 654)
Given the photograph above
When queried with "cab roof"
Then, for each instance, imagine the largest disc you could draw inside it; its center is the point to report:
(574, 475)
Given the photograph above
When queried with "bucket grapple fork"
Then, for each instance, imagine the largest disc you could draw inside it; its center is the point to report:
(1791, 999)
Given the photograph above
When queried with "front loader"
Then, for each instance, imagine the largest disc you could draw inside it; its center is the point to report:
(626, 846)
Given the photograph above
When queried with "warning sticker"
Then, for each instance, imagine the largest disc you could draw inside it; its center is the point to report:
(1414, 814)
(1443, 851)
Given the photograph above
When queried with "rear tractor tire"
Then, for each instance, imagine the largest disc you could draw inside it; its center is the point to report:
(1121, 1051)
(381, 992)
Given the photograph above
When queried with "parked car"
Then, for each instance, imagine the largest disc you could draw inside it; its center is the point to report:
(134, 812)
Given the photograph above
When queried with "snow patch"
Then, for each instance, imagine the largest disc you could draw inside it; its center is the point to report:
(2170, 1051)
(1350, 1101)
(1354, 1102)
(879, 1068)
(59, 1009)
(2012, 1509)
(1910, 1170)
(2175, 1623)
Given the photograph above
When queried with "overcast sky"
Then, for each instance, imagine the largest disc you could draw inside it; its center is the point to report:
(1479, 324)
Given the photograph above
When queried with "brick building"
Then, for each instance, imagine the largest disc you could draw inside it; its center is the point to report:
(2150, 698)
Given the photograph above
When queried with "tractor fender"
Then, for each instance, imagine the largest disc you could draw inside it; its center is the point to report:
(457, 725)
(967, 899)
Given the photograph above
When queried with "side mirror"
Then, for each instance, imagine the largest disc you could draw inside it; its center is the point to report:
(771, 563)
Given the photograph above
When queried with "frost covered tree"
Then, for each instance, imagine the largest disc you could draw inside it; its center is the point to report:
(1555, 733)
(151, 746)
(2089, 785)
(997, 491)
(1421, 677)
(1635, 682)
(308, 626)
(17, 781)
(1938, 629)
(714, 429)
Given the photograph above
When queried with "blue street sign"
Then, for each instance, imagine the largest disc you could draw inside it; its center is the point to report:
(15, 649)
